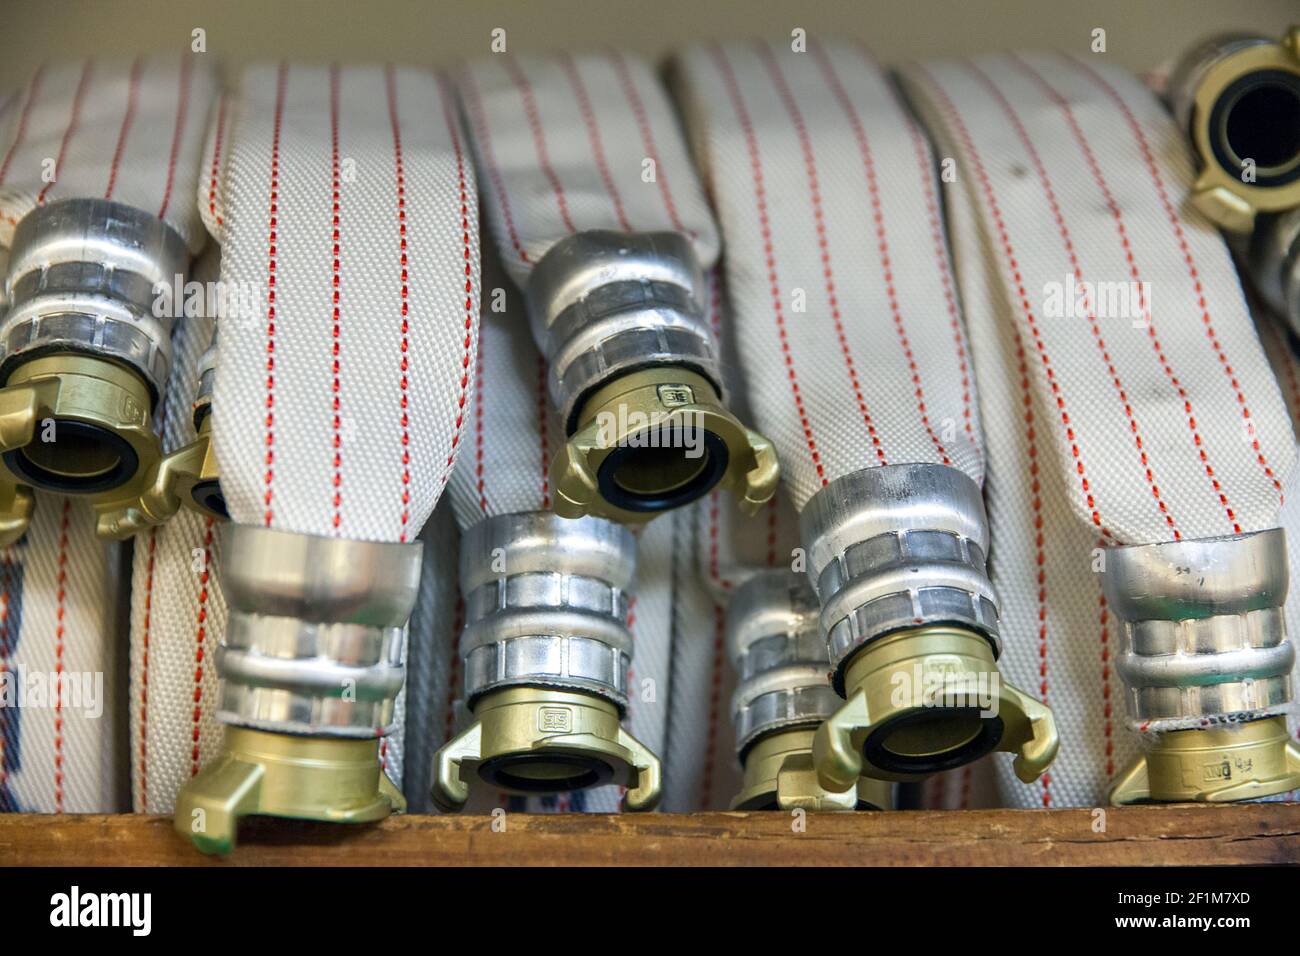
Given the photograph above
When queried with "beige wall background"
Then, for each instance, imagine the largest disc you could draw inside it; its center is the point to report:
(1139, 33)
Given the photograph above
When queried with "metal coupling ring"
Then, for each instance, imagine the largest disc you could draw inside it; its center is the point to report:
(634, 374)
(897, 556)
(1238, 97)
(547, 651)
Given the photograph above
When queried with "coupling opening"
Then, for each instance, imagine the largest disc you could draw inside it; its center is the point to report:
(84, 459)
(929, 741)
(645, 479)
(545, 773)
(207, 496)
(1257, 120)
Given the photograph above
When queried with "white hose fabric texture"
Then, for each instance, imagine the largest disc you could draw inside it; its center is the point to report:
(573, 143)
(824, 188)
(1124, 392)
(62, 630)
(178, 611)
(129, 131)
(349, 203)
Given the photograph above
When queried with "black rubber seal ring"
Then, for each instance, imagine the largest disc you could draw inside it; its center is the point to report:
(697, 487)
(587, 772)
(207, 494)
(875, 752)
(1231, 95)
(46, 480)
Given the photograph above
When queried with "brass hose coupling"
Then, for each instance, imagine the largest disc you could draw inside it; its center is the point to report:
(897, 556)
(85, 349)
(634, 374)
(185, 477)
(775, 643)
(1238, 97)
(1206, 663)
(546, 651)
(311, 664)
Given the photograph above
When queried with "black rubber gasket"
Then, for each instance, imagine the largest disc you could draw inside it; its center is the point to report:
(878, 755)
(46, 480)
(207, 494)
(700, 485)
(587, 772)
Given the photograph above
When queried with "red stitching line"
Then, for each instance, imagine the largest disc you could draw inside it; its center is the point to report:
(335, 278)
(484, 139)
(828, 275)
(1118, 217)
(182, 109)
(58, 656)
(1068, 243)
(543, 438)
(529, 100)
(200, 636)
(1103, 620)
(594, 138)
(390, 83)
(450, 117)
(882, 238)
(714, 569)
(946, 106)
(144, 672)
(647, 136)
(33, 88)
(132, 96)
(1174, 221)
(73, 121)
(216, 159)
(282, 81)
(715, 709)
(478, 427)
(774, 286)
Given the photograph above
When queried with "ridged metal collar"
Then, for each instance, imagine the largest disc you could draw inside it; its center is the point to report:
(895, 547)
(546, 604)
(602, 304)
(313, 644)
(775, 643)
(1203, 628)
(93, 276)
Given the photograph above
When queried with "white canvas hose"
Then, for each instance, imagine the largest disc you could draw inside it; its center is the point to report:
(106, 154)
(546, 649)
(1130, 434)
(340, 410)
(858, 369)
(599, 217)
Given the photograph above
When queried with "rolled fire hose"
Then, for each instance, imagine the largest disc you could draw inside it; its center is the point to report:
(546, 649)
(599, 217)
(1134, 430)
(342, 411)
(178, 604)
(858, 369)
(95, 187)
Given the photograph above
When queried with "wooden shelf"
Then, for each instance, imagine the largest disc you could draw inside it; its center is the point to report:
(1172, 835)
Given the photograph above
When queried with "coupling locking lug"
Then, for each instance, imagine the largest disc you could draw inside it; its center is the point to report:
(634, 374)
(310, 666)
(911, 621)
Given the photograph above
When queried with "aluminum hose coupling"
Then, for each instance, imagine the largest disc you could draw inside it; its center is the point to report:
(1271, 255)
(897, 556)
(85, 350)
(546, 650)
(634, 374)
(775, 643)
(185, 477)
(1238, 97)
(1206, 664)
(311, 664)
